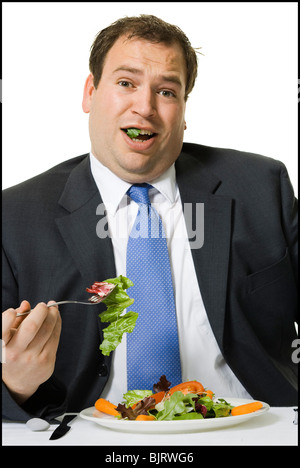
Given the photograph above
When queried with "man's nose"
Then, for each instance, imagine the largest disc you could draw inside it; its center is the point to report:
(144, 102)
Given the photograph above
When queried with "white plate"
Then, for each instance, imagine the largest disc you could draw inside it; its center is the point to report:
(189, 425)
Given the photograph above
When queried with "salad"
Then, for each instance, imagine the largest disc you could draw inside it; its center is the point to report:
(188, 400)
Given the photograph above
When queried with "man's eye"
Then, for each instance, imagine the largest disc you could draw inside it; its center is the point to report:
(124, 84)
(166, 93)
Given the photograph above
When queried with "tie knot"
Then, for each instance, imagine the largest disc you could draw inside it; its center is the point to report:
(139, 193)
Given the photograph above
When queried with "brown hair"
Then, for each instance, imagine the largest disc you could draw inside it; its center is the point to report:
(146, 27)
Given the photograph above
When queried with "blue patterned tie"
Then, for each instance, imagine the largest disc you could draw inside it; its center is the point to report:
(152, 348)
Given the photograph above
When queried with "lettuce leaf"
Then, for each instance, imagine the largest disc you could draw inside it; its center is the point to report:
(114, 332)
(119, 322)
(133, 132)
(221, 408)
(172, 406)
(206, 401)
(142, 407)
(163, 385)
(133, 396)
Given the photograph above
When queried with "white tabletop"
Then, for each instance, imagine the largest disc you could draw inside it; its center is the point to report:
(275, 427)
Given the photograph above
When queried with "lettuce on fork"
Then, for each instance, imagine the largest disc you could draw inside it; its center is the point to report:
(119, 322)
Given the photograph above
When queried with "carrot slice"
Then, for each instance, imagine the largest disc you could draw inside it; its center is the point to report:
(144, 417)
(106, 407)
(247, 408)
(188, 387)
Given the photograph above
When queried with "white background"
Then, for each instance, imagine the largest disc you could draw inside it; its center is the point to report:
(246, 94)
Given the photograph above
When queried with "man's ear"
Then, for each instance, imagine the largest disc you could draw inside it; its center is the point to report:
(88, 92)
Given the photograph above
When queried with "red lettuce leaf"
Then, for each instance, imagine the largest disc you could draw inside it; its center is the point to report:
(163, 385)
(141, 407)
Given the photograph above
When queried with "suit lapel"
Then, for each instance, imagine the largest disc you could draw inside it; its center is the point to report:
(92, 255)
(197, 185)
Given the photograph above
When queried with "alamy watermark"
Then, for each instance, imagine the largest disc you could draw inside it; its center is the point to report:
(192, 229)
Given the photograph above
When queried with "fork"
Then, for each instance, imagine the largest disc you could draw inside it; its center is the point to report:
(96, 299)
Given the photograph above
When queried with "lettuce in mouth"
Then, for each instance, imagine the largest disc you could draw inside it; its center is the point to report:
(119, 322)
(133, 132)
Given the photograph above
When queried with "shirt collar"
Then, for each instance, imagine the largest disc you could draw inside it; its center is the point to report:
(113, 189)
(166, 184)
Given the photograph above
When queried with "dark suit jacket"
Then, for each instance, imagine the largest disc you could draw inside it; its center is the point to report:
(246, 270)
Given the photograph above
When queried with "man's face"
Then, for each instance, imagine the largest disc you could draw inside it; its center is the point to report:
(142, 86)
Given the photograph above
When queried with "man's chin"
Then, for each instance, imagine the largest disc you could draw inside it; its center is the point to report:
(137, 168)
(139, 174)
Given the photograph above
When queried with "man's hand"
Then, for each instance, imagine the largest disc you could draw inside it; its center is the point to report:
(31, 343)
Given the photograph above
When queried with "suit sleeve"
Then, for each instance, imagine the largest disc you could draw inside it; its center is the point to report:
(50, 400)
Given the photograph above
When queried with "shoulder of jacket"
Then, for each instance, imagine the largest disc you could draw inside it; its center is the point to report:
(202, 151)
(221, 157)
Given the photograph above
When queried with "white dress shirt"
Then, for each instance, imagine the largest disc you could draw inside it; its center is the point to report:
(201, 358)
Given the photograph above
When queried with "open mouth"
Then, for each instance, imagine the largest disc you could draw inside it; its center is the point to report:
(137, 134)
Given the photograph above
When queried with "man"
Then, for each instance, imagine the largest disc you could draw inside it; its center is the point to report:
(235, 294)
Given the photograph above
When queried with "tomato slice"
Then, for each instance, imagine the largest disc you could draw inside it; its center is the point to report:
(188, 387)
